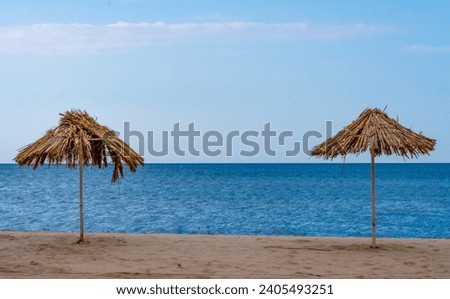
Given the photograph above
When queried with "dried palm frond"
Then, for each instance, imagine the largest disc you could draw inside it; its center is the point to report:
(376, 132)
(79, 139)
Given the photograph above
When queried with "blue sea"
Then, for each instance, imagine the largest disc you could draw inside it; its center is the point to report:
(413, 200)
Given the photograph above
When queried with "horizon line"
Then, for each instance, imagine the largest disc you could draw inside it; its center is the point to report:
(244, 163)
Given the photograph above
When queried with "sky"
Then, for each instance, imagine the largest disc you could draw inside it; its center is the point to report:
(146, 66)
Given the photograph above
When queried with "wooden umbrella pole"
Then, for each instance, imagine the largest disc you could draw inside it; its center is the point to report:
(81, 204)
(374, 222)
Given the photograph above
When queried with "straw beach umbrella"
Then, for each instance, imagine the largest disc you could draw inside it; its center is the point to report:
(376, 132)
(79, 140)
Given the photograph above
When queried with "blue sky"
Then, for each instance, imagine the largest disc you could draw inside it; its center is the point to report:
(224, 65)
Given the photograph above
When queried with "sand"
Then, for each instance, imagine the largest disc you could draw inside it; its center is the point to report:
(108, 255)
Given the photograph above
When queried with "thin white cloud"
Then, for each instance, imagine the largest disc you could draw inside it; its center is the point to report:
(88, 38)
(424, 49)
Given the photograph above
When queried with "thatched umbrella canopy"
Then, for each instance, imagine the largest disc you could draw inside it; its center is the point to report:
(79, 140)
(376, 132)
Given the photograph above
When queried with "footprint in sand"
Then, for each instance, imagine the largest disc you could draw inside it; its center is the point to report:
(7, 237)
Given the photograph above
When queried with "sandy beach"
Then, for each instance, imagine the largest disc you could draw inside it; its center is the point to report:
(108, 255)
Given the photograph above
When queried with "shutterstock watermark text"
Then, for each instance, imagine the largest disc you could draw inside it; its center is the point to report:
(188, 141)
